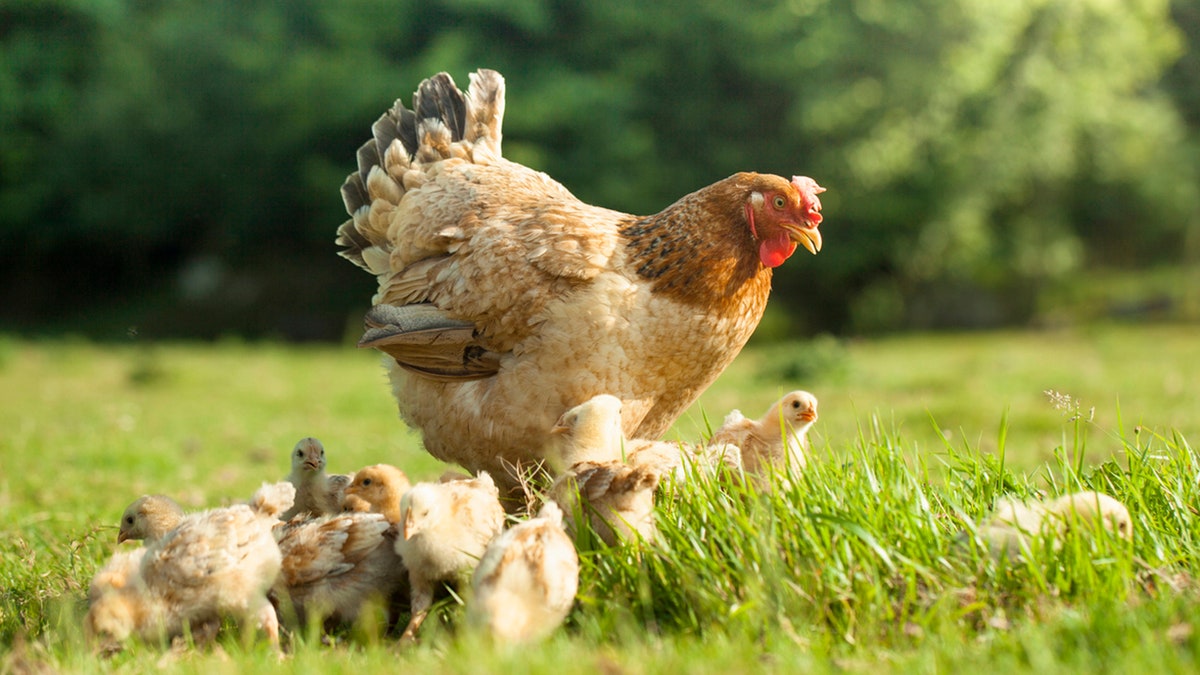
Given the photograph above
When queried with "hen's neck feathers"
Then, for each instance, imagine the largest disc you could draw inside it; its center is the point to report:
(699, 250)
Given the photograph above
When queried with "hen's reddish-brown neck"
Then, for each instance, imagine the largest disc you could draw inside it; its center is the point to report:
(699, 251)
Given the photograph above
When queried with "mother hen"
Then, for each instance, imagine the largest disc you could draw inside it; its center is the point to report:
(504, 300)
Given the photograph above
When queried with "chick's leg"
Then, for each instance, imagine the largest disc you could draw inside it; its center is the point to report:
(422, 599)
(267, 621)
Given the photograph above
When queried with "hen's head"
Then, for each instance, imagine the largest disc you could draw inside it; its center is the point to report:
(308, 456)
(150, 517)
(782, 214)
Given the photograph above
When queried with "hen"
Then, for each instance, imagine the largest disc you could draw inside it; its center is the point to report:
(504, 300)
(445, 528)
(334, 566)
(316, 492)
(525, 585)
(215, 563)
(775, 441)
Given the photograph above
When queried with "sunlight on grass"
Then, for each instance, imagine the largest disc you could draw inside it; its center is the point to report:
(864, 561)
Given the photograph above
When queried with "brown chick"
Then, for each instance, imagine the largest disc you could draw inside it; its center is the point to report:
(777, 440)
(445, 528)
(525, 584)
(1013, 526)
(616, 498)
(379, 487)
(216, 563)
(316, 492)
(149, 518)
(334, 566)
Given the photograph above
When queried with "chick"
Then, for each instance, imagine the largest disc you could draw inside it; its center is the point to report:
(589, 432)
(214, 564)
(316, 493)
(334, 566)
(525, 584)
(1013, 525)
(777, 440)
(377, 488)
(616, 498)
(149, 518)
(674, 458)
(444, 530)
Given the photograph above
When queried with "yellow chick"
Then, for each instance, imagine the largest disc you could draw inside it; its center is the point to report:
(777, 440)
(316, 493)
(588, 432)
(616, 498)
(377, 488)
(1013, 525)
(214, 564)
(149, 518)
(674, 458)
(444, 530)
(525, 584)
(334, 566)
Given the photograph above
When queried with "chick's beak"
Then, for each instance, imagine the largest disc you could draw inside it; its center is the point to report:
(122, 537)
(410, 528)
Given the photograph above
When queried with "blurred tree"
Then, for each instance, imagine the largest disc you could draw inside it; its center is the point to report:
(176, 165)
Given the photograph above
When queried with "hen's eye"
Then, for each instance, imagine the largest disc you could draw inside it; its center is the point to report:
(779, 202)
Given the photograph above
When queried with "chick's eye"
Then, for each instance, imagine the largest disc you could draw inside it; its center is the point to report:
(299, 453)
(128, 520)
(366, 481)
(795, 404)
(779, 202)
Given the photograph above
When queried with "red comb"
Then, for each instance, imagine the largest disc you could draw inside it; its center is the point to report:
(808, 197)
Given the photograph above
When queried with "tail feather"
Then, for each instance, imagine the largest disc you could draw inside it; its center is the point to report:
(272, 499)
(444, 123)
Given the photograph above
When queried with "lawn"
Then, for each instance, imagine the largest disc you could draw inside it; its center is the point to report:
(861, 566)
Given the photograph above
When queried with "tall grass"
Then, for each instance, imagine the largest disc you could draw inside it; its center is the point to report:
(866, 560)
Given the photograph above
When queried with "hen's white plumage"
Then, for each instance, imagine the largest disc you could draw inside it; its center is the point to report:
(445, 528)
(316, 492)
(215, 563)
(525, 585)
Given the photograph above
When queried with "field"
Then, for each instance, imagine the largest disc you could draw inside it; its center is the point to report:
(861, 566)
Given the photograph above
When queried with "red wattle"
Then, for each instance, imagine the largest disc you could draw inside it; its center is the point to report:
(772, 252)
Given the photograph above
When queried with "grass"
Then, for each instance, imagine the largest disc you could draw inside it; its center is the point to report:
(865, 563)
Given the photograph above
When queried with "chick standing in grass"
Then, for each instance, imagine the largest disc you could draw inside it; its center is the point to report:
(214, 564)
(777, 440)
(444, 530)
(377, 488)
(149, 518)
(594, 481)
(334, 566)
(316, 492)
(1013, 525)
(525, 585)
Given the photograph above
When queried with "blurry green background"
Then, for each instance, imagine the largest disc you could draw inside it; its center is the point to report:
(172, 168)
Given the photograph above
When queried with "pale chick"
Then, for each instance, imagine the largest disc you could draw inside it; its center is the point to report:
(525, 584)
(777, 440)
(377, 488)
(149, 518)
(444, 530)
(681, 460)
(335, 566)
(316, 493)
(616, 498)
(214, 564)
(588, 432)
(1014, 526)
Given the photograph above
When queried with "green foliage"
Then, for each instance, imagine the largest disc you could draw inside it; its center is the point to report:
(968, 145)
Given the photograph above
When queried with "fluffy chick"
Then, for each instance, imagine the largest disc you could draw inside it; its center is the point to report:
(214, 564)
(616, 498)
(1013, 525)
(525, 584)
(588, 432)
(377, 488)
(674, 458)
(444, 530)
(777, 440)
(334, 566)
(316, 492)
(149, 518)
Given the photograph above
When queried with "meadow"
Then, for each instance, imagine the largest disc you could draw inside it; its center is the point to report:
(864, 564)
